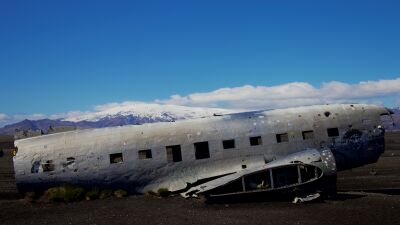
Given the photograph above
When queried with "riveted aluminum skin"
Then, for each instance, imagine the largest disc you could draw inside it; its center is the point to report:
(82, 157)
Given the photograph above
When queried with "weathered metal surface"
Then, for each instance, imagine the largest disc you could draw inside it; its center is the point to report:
(82, 157)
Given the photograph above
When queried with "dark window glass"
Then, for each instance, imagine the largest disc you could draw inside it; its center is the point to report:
(35, 167)
(145, 154)
(174, 153)
(116, 158)
(333, 132)
(227, 144)
(282, 137)
(308, 173)
(255, 141)
(285, 176)
(309, 134)
(70, 161)
(201, 150)
(48, 166)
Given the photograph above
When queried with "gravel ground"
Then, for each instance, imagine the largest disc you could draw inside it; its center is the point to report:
(348, 208)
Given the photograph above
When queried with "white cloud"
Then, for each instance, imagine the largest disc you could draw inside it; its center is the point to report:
(364, 89)
(247, 92)
(3, 117)
(290, 94)
(246, 97)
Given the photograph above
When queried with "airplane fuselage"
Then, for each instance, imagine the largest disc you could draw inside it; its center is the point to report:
(173, 155)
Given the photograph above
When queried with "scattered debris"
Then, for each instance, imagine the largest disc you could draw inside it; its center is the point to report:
(308, 198)
(372, 172)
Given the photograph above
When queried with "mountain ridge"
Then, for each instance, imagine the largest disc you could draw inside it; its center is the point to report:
(133, 114)
(105, 118)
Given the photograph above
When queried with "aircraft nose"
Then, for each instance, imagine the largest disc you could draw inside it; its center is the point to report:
(358, 148)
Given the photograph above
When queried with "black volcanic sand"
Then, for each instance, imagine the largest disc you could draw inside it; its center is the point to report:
(348, 208)
(367, 195)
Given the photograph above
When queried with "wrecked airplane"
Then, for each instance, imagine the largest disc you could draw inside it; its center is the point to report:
(282, 150)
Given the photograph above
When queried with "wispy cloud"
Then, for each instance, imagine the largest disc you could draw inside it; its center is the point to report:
(3, 117)
(246, 97)
(290, 94)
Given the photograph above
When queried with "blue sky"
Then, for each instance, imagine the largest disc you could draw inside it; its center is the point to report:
(60, 56)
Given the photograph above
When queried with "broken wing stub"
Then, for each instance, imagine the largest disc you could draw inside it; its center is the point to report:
(310, 170)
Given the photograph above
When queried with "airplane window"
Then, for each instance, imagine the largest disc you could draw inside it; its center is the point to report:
(285, 176)
(333, 132)
(387, 120)
(48, 166)
(282, 137)
(116, 158)
(366, 121)
(227, 144)
(255, 141)
(174, 153)
(35, 167)
(70, 159)
(70, 162)
(309, 134)
(145, 154)
(308, 173)
(201, 150)
(258, 181)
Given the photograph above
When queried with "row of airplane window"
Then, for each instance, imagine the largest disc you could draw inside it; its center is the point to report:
(174, 153)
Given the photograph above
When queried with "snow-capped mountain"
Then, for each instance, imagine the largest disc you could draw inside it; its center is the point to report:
(116, 115)
(151, 111)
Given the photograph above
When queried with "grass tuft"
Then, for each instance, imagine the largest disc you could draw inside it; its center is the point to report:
(31, 196)
(64, 193)
(106, 193)
(120, 193)
(94, 193)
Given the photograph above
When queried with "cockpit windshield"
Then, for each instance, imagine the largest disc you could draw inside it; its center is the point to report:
(387, 120)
